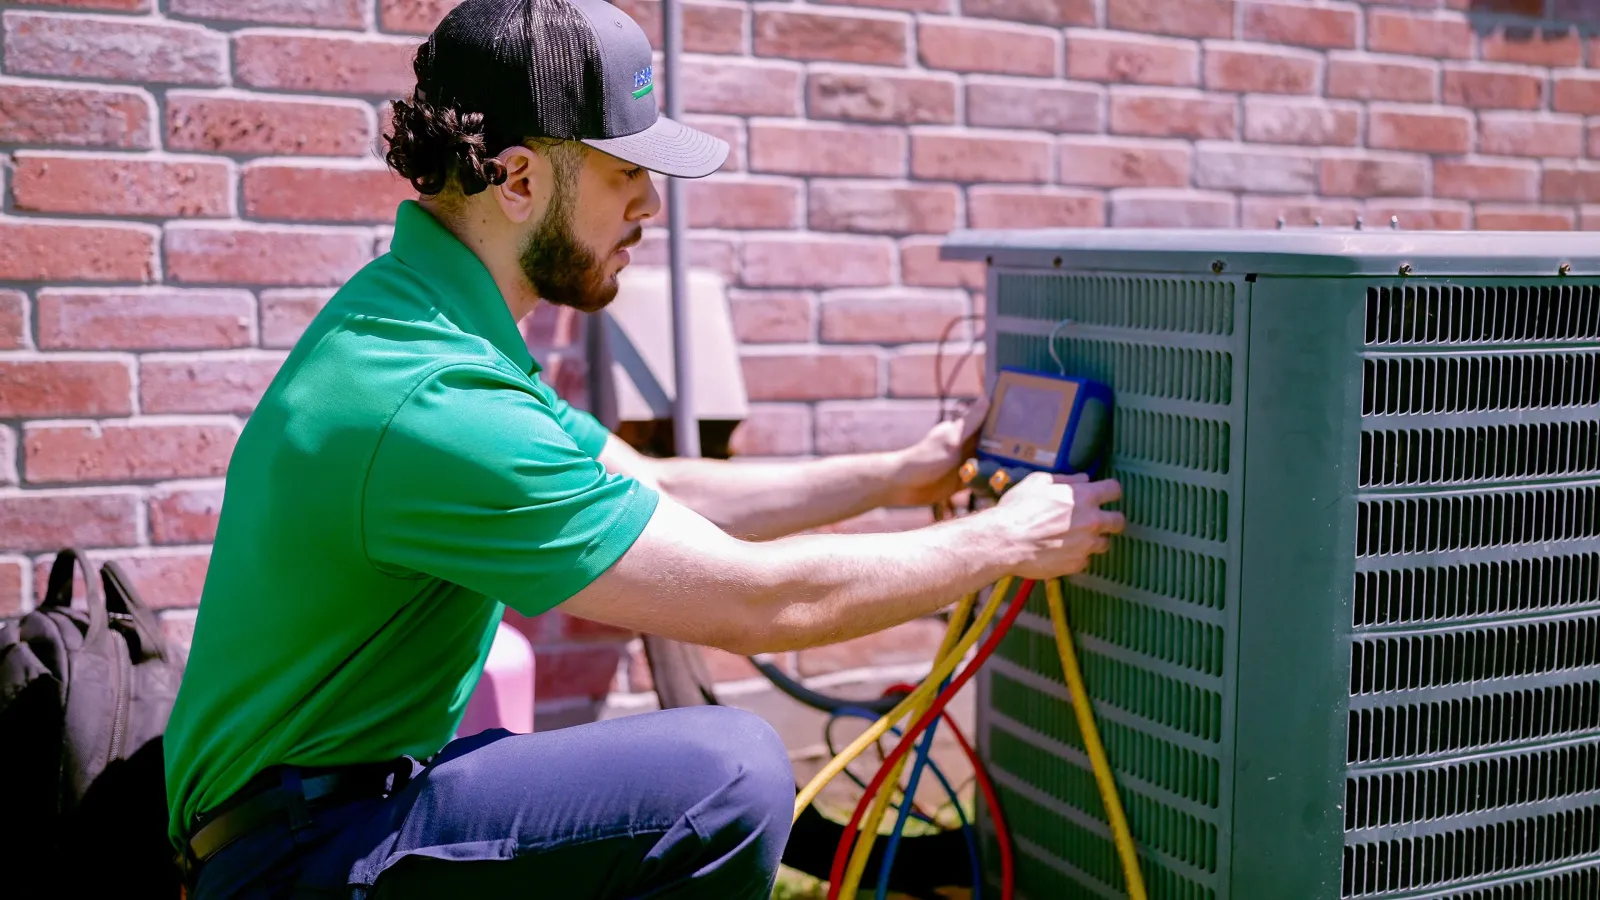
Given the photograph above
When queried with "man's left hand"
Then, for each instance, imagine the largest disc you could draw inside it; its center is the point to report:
(927, 471)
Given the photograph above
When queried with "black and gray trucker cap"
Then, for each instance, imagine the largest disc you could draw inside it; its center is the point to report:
(578, 70)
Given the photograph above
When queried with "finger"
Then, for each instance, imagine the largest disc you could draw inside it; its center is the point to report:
(1074, 478)
(1099, 545)
(1098, 493)
(1036, 479)
(1111, 523)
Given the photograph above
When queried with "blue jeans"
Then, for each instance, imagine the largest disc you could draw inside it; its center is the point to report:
(676, 804)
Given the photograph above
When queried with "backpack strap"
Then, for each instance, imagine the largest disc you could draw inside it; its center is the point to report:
(58, 592)
(123, 601)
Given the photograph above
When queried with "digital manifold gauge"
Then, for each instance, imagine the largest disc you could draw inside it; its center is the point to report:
(1039, 422)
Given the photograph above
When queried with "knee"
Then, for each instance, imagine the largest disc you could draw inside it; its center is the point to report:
(747, 765)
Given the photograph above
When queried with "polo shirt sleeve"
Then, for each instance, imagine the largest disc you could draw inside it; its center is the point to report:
(476, 482)
(586, 430)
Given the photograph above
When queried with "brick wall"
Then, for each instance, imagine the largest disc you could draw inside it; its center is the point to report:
(185, 182)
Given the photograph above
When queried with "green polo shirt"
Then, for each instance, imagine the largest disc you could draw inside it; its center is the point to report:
(405, 477)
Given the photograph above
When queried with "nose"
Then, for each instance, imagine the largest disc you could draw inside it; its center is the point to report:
(650, 206)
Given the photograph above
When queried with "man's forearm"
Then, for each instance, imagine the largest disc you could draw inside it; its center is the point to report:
(765, 500)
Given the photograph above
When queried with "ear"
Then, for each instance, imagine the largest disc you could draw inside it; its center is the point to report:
(526, 191)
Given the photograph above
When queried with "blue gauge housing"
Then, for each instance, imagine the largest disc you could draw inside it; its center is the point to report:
(1047, 423)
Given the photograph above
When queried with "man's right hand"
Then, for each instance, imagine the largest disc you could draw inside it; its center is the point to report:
(1059, 522)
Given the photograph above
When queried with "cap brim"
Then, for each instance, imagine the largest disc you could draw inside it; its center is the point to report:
(668, 147)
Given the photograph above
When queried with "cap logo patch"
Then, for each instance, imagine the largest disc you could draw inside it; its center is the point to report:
(643, 82)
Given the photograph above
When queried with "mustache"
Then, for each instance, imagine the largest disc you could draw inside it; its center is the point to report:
(634, 237)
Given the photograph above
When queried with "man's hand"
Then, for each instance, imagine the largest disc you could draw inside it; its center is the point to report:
(926, 472)
(1059, 522)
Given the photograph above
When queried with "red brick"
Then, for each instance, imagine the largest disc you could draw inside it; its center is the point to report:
(1518, 218)
(1173, 113)
(816, 261)
(286, 313)
(39, 250)
(112, 5)
(741, 87)
(1157, 208)
(1467, 180)
(813, 148)
(965, 45)
(882, 208)
(1373, 175)
(114, 48)
(1055, 13)
(921, 266)
(729, 129)
(1529, 134)
(975, 156)
(1004, 207)
(936, 6)
(911, 642)
(773, 429)
(1185, 18)
(256, 254)
(165, 578)
(1278, 170)
(237, 123)
(1133, 58)
(874, 426)
(707, 27)
(8, 457)
(1113, 162)
(707, 253)
(1421, 129)
(584, 671)
(298, 191)
(747, 203)
(1593, 139)
(892, 316)
(1034, 105)
(1380, 78)
(1434, 35)
(1326, 27)
(813, 375)
(1264, 212)
(1496, 87)
(1293, 120)
(185, 513)
(321, 13)
(126, 451)
(66, 115)
(39, 521)
(1571, 182)
(1576, 92)
(13, 320)
(911, 375)
(1533, 46)
(59, 385)
(1256, 68)
(157, 318)
(12, 586)
(122, 185)
(880, 96)
(764, 317)
(1590, 218)
(325, 63)
(842, 36)
(220, 383)
(1419, 215)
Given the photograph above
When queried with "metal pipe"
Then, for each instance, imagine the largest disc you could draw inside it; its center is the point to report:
(685, 424)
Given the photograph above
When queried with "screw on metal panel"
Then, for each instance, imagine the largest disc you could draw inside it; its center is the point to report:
(1566, 269)
(1405, 268)
(988, 260)
(1056, 262)
(1217, 266)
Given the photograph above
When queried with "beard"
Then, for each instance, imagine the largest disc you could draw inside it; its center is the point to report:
(562, 269)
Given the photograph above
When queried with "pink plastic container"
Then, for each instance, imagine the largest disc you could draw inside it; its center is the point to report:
(504, 696)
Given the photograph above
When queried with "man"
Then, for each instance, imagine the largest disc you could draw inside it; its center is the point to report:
(407, 473)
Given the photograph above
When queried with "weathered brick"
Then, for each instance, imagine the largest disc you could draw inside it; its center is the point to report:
(111, 5)
(1295, 120)
(8, 457)
(43, 250)
(1276, 170)
(975, 156)
(121, 185)
(238, 123)
(1264, 212)
(1055, 13)
(412, 16)
(811, 375)
(875, 95)
(568, 672)
(62, 385)
(816, 261)
(14, 573)
(1373, 175)
(1576, 92)
(729, 129)
(933, 6)
(1420, 129)
(298, 191)
(185, 513)
(873, 426)
(13, 320)
(911, 642)
(1529, 134)
(1133, 58)
(707, 27)
(964, 45)
(114, 48)
(1419, 214)
(1257, 68)
(1554, 46)
(69, 115)
(743, 203)
(203, 252)
(1034, 105)
(882, 208)
(773, 429)
(1383, 78)
(1186, 18)
(765, 317)
(1160, 112)
(319, 13)
(1523, 218)
(222, 383)
(165, 577)
(1164, 208)
(1481, 180)
(1325, 27)
(287, 60)
(921, 266)
(911, 374)
(157, 318)
(993, 206)
(891, 316)
(124, 451)
(716, 254)
(1118, 162)
(1434, 35)
(41, 521)
(1497, 86)
(839, 35)
(1571, 182)
(741, 87)
(286, 313)
(813, 148)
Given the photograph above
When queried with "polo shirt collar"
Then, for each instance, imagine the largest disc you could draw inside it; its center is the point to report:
(475, 301)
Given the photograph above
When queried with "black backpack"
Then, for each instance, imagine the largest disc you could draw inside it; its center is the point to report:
(85, 694)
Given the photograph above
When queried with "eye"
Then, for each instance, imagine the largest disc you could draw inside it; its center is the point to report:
(634, 173)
